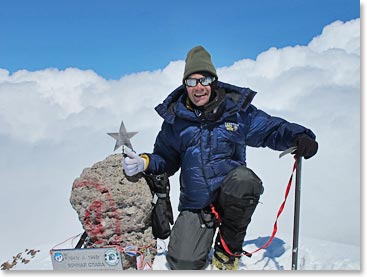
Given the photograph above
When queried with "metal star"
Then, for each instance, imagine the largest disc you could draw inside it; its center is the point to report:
(122, 137)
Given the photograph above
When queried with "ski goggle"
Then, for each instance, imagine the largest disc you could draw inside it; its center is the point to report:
(205, 81)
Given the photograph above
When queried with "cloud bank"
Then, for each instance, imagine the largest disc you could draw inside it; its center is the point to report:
(53, 123)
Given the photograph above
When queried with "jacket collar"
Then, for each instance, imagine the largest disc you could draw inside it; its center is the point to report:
(237, 98)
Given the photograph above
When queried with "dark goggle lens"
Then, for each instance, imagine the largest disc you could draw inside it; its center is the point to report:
(205, 81)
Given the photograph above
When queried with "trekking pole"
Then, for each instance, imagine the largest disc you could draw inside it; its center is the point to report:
(297, 206)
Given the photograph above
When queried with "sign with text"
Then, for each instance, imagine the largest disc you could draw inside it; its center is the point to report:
(86, 259)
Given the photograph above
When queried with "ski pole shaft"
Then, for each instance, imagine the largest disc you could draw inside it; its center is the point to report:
(81, 240)
(297, 205)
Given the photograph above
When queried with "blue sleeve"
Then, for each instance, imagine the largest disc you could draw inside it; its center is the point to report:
(165, 156)
(273, 132)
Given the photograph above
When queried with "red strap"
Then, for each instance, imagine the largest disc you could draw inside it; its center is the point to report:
(275, 228)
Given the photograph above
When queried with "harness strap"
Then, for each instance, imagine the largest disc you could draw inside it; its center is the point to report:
(275, 228)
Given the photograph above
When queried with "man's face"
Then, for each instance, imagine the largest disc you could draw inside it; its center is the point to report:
(199, 94)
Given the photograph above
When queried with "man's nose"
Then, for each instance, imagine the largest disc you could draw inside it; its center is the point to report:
(199, 86)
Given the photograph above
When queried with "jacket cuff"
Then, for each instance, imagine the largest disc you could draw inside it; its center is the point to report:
(146, 158)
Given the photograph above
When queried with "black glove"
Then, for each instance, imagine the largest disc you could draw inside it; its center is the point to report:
(306, 146)
(162, 215)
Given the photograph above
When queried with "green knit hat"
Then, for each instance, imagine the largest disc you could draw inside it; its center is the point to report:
(198, 60)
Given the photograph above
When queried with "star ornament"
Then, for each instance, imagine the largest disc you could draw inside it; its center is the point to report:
(122, 137)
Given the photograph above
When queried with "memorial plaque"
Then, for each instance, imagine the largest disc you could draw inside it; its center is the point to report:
(86, 259)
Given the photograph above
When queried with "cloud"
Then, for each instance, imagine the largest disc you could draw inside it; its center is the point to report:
(53, 97)
(54, 122)
(38, 104)
(339, 35)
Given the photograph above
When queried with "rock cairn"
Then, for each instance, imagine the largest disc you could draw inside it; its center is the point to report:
(112, 210)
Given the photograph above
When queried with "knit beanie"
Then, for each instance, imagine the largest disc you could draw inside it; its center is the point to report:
(198, 60)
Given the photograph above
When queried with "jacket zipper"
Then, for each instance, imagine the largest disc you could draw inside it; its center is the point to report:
(202, 151)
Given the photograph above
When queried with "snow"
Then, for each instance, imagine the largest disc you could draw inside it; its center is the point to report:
(314, 254)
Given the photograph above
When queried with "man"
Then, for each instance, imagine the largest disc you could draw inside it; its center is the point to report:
(207, 126)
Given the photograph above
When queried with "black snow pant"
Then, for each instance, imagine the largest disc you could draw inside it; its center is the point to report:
(192, 235)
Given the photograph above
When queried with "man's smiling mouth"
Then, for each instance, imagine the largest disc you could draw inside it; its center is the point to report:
(200, 95)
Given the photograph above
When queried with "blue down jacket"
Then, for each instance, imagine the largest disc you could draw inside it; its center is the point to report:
(206, 150)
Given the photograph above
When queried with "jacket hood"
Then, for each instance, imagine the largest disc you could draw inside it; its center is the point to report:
(237, 98)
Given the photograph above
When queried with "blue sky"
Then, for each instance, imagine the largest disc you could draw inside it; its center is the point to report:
(115, 38)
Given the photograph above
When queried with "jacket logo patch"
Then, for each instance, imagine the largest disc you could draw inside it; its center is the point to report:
(230, 126)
